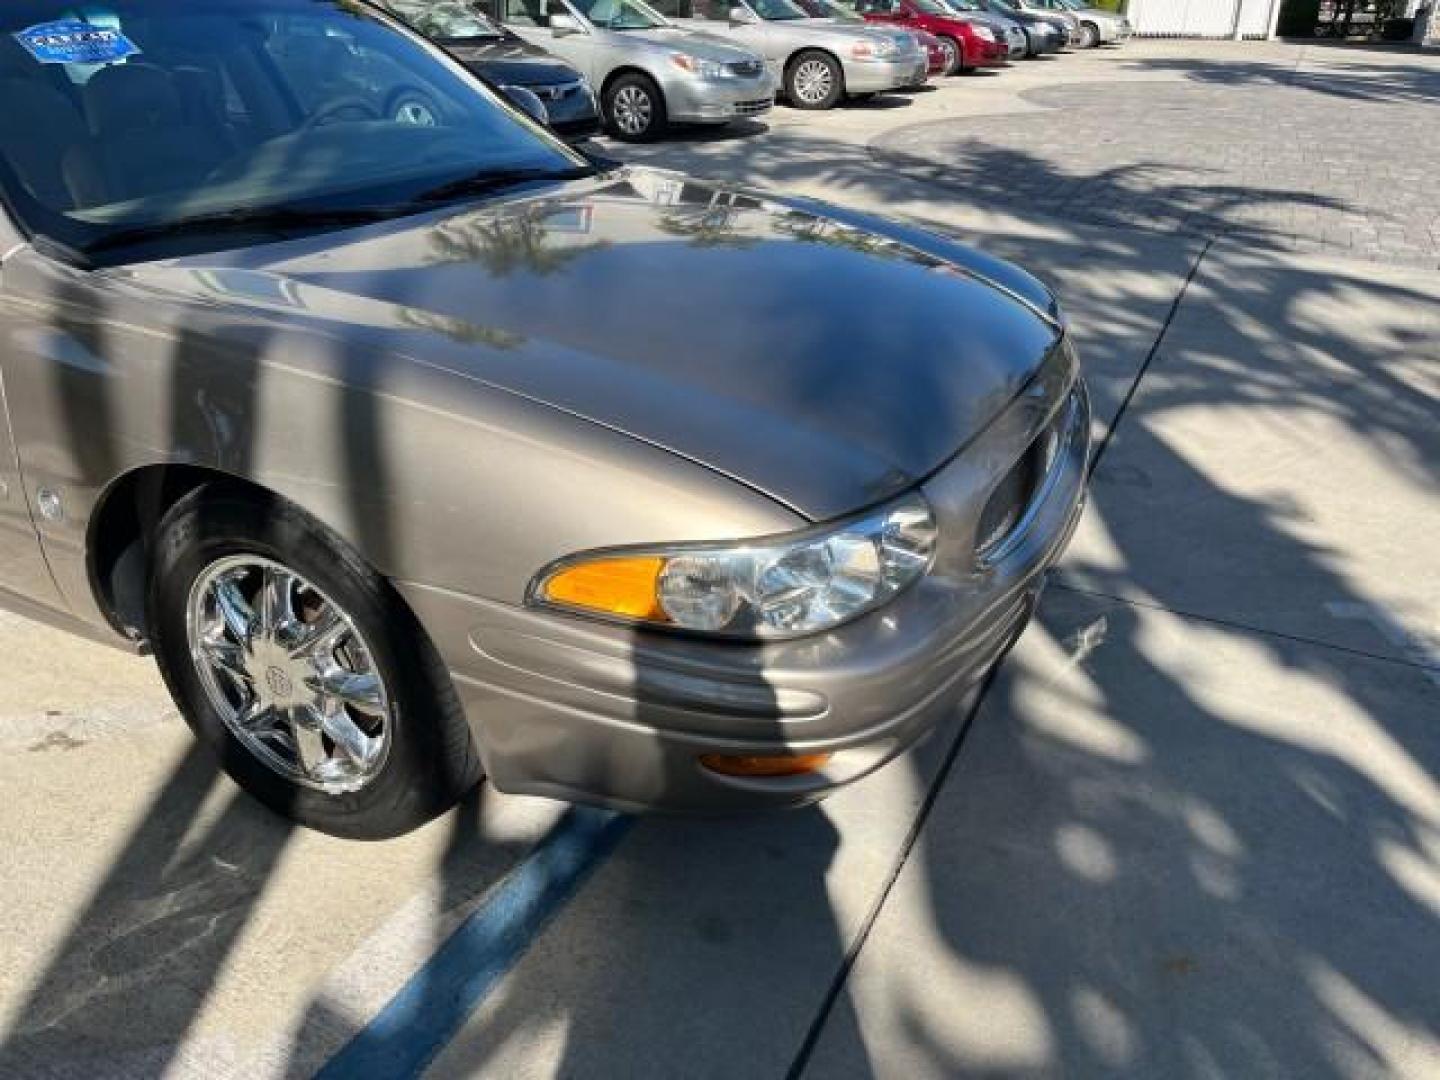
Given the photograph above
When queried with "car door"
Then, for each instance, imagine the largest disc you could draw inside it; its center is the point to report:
(713, 17)
(23, 570)
(530, 21)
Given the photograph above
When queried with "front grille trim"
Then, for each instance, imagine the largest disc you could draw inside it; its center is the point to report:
(1052, 443)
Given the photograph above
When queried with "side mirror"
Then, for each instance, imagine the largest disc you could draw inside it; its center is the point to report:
(526, 101)
(564, 25)
(741, 15)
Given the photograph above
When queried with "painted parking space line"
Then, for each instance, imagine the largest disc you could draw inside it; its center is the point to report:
(423, 1016)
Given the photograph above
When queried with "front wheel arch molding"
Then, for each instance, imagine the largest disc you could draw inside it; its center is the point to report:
(621, 72)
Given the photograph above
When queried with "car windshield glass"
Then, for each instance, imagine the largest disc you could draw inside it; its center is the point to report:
(620, 14)
(445, 20)
(931, 7)
(776, 10)
(963, 5)
(140, 114)
(829, 9)
(1001, 6)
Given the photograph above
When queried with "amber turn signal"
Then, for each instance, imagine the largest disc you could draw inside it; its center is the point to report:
(619, 586)
(764, 765)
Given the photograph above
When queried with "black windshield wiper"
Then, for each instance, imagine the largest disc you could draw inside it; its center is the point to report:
(278, 219)
(485, 183)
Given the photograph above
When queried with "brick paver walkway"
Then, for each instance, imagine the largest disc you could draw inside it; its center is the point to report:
(1324, 154)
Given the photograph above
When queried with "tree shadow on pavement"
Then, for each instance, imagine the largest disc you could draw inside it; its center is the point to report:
(1203, 844)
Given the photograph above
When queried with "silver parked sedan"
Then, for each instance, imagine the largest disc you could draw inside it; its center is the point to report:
(413, 451)
(648, 73)
(817, 64)
(1098, 26)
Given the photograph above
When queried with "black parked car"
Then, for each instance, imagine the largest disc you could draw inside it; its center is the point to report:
(493, 52)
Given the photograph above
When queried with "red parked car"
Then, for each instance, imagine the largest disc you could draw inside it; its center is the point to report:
(966, 44)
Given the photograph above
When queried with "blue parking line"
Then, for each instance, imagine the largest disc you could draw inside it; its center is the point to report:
(411, 1030)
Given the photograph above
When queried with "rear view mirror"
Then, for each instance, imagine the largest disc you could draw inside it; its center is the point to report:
(526, 101)
(564, 25)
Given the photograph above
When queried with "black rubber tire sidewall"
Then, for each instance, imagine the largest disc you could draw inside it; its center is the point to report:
(432, 761)
(837, 81)
(659, 119)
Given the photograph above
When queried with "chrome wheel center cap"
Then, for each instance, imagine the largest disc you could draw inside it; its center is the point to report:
(278, 682)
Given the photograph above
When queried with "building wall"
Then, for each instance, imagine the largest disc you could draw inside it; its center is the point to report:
(1202, 18)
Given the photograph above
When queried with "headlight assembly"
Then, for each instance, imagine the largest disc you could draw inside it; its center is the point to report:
(874, 50)
(698, 66)
(778, 587)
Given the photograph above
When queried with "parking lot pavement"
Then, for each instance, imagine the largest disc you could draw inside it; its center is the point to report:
(1193, 829)
(1196, 831)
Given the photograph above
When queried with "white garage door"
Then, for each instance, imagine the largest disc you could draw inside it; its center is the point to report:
(1199, 18)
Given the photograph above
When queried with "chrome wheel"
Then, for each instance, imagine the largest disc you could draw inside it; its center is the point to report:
(813, 81)
(1089, 36)
(289, 674)
(415, 113)
(952, 55)
(633, 109)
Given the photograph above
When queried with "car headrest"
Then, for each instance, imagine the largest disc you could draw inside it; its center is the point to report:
(130, 97)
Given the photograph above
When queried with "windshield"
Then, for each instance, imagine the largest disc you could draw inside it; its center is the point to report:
(777, 10)
(620, 14)
(445, 20)
(139, 114)
(829, 9)
(960, 6)
(931, 7)
(1002, 7)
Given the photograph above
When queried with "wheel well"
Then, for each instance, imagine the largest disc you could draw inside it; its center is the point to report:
(122, 528)
(621, 72)
(790, 61)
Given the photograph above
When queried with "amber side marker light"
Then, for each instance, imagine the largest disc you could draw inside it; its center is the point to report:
(764, 765)
(617, 586)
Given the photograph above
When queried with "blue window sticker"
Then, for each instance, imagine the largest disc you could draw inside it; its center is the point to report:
(71, 41)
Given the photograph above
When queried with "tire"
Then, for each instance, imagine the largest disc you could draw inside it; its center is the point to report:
(417, 757)
(415, 107)
(814, 81)
(634, 109)
(1031, 51)
(1089, 36)
(955, 55)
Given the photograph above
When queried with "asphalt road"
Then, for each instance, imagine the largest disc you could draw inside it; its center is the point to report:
(1191, 829)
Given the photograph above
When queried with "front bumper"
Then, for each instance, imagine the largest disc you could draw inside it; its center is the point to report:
(718, 101)
(1046, 38)
(571, 107)
(877, 76)
(582, 710)
(988, 53)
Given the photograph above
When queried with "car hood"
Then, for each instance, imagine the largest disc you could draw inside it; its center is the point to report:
(985, 18)
(899, 34)
(828, 32)
(513, 62)
(823, 357)
(672, 39)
